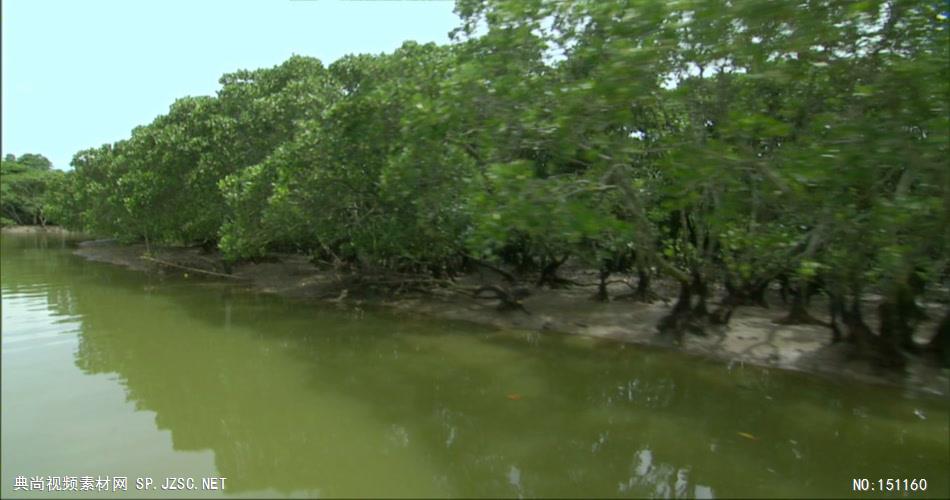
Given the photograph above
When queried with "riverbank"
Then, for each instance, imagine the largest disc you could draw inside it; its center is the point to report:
(37, 230)
(752, 336)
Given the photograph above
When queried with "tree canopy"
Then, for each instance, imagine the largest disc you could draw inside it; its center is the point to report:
(26, 185)
(709, 142)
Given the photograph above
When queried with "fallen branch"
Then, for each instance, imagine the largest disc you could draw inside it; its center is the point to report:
(593, 284)
(192, 269)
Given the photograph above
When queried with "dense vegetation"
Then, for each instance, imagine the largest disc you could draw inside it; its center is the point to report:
(25, 186)
(708, 142)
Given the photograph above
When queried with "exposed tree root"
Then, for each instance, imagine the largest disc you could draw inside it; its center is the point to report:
(686, 316)
(510, 278)
(643, 291)
(509, 298)
(549, 275)
(799, 315)
(748, 295)
(879, 349)
(801, 318)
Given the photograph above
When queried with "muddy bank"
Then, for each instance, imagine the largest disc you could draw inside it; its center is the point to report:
(751, 337)
(38, 230)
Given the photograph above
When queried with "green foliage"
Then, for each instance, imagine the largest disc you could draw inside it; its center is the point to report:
(717, 140)
(547, 217)
(371, 182)
(25, 186)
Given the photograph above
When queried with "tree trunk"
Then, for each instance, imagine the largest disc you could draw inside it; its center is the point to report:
(880, 348)
(757, 296)
(835, 310)
(798, 314)
(602, 285)
(723, 314)
(858, 331)
(701, 290)
(890, 325)
(783, 287)
(686, 316)
(549, 273)
(643, 292)
(940, 343)
(898, 316)
(675, 322)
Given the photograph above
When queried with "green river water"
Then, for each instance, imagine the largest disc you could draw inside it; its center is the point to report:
(114, 373)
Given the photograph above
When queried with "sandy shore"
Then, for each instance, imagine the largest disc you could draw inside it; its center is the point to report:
(751, 337)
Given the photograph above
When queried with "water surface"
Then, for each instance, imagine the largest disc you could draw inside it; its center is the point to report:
(110, 372)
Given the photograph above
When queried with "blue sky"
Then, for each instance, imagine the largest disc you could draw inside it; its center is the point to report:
(82, 73)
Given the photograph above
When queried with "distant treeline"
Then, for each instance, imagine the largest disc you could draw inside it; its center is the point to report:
(24, 186)
(710, 142)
